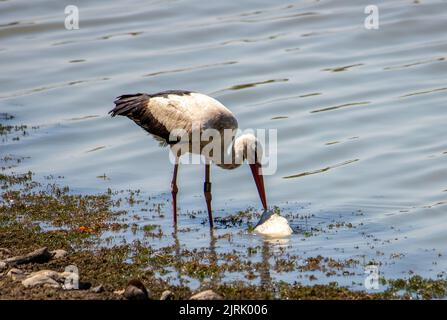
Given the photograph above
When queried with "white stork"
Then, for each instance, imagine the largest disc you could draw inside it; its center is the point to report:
(162, 113)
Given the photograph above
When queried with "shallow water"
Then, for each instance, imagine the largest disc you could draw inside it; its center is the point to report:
(360, 115)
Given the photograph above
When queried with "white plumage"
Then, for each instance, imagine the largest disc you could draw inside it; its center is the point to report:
(161, 114)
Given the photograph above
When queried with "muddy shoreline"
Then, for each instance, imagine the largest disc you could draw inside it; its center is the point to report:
(38, 212)
(78, 221)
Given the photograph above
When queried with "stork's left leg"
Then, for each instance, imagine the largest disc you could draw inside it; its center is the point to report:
(174, 191)
(207, 191)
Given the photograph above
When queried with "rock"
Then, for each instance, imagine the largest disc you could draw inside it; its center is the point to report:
(47, 278)
(136, 291)
(40, 281)
(59, 253)
(206, 295)
(167, 295)
(49, 274)
(273, 225)
(16, 274)
(97, 289)
(39, 256)
(50, 278)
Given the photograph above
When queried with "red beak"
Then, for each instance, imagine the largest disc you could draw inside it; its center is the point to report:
(259, 180)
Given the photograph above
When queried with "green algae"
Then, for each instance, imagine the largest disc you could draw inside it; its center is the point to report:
(78, 221)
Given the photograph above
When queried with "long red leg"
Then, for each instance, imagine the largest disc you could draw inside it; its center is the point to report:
(207, 191)
(174, 191)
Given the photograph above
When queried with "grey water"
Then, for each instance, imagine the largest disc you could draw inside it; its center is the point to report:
(360, 115)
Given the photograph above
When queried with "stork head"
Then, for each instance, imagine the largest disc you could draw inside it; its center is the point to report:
(249, 148)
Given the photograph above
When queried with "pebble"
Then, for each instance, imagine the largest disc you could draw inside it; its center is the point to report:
(206, 295)
(16, 274)
(136, 290)
(167, 295)
(98, 289)
(59, 253)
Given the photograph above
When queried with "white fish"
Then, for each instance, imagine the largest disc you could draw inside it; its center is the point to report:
(272, 224)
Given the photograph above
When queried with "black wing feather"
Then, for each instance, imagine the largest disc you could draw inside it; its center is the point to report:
(134, 106)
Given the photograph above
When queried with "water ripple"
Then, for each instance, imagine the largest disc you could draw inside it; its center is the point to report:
(203, 66)
(345, 105)
(308, 173)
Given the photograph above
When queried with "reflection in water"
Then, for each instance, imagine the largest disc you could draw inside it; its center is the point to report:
(95, 149)
(269, 245)
(310, 94)
(423, 92)
(414, 64)
(133, 34)
(266, 278)
(212, 257)
(15, 23)
(321, 170)
(352, 104)
(337, 142)
(291, 98)
(272, 37)
(83, 118)
(214, 260)
(277, 242)
(292, 49)
(251, 85)
(203, 66)
(77, 60)
(178, 257)
(285, 17)
(344, 68)
(50, 87)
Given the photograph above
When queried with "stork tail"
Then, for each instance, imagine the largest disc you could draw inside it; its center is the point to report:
(135, 107)
(128, 104)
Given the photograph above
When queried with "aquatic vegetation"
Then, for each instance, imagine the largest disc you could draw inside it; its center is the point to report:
(78, 221)
(16, 130)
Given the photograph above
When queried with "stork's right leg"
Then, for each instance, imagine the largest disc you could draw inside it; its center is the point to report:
(174, 191)
(207, 191)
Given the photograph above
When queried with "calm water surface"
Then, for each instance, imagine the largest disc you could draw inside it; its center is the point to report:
(361, 116)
